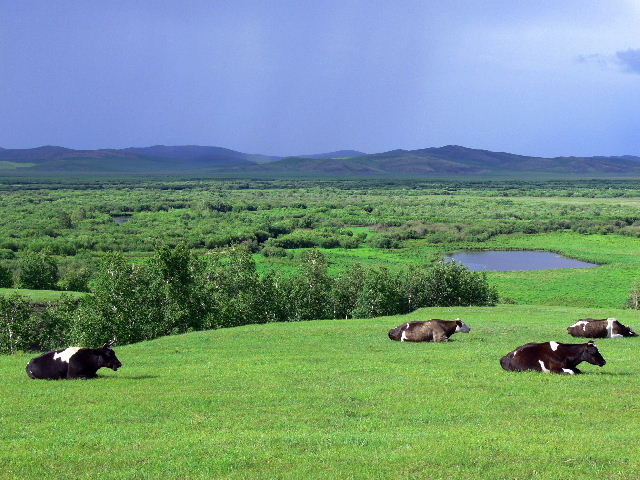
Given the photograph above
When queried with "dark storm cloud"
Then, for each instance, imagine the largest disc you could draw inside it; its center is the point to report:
(629, 60)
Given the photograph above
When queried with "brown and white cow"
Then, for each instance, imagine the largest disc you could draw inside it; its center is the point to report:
(552, 357)
(600, 328)
(434, 330)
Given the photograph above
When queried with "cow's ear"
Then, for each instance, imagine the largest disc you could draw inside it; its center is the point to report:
(107, 346)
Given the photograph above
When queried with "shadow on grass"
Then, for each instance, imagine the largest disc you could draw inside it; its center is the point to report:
(128, 377)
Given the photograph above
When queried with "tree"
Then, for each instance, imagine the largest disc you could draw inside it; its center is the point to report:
(346, 289)
(122, 305)
(37, 270)
(311, 290)
(6, 278)
(380, 295)
(15, 312)
(453, 284)
(175, 280)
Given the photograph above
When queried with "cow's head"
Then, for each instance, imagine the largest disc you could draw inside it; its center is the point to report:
(108, 356)
(624, 330)
(592, 355)
(462, 327)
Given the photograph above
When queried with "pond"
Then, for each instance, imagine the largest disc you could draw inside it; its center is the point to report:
(499, 261)
(121, 218)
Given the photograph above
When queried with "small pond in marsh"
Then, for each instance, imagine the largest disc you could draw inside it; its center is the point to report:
(121, 218)
(503, 260)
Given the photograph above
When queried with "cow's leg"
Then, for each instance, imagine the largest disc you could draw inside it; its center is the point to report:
(558, 368)
(439, 337)
(78, 372)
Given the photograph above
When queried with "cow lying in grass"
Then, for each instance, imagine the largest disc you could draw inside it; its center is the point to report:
(430, 331)
(552, 357)
(595, 328)
(73, 363)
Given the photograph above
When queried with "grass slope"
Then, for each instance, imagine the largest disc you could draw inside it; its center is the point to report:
(39, 295)
(333, 399)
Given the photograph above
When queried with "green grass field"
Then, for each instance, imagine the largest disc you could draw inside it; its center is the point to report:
(39, 295)
(335, 400)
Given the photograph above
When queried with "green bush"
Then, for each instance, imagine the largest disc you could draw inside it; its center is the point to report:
(177, 291)
(15, 326)
(37, 270)
(6, 277)
(453, 284)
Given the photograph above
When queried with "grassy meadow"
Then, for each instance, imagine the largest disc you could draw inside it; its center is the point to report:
(335, 399)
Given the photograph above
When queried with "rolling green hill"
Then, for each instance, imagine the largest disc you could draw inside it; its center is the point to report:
(335, 399)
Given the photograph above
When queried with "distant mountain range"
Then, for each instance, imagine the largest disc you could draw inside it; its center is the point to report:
(450, 160)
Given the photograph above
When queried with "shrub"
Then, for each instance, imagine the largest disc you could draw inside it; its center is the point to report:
(75, 279)
(383, 241)
(15, 312)
(6, 277)
(37, 270)
(449, 284)
(275, 252)
(380, 294)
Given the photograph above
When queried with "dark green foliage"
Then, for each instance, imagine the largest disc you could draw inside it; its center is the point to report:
(15, 328)
(51, 326)
(381, 294)
(383, 241)
(269, 251)
(177, 291)
(6, 276)
(121, 305)
(37, 270)
(311, 289)
(347, 287)
(448, 284)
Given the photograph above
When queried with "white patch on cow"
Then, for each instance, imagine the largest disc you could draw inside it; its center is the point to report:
(66, 354)
(610, 327)
(553, 345)
(617, 335)
(581, 322)
(569, 371)
(544, 369)
(403, 337)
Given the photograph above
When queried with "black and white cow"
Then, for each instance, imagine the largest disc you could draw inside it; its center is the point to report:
(73, 362)
(430, 331)
(596, 328)
(552, 357)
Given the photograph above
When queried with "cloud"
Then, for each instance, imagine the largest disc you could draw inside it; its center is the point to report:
(627, 61)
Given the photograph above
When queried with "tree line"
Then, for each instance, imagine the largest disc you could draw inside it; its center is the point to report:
(177, 291)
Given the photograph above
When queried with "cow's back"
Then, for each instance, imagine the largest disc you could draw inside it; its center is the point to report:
(589, 328)
(46, 367)
(525, 357)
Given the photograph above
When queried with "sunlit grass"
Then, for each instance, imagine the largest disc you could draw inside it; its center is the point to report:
(333, 399)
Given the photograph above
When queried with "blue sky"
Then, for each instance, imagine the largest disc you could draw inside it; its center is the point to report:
(285, 77)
